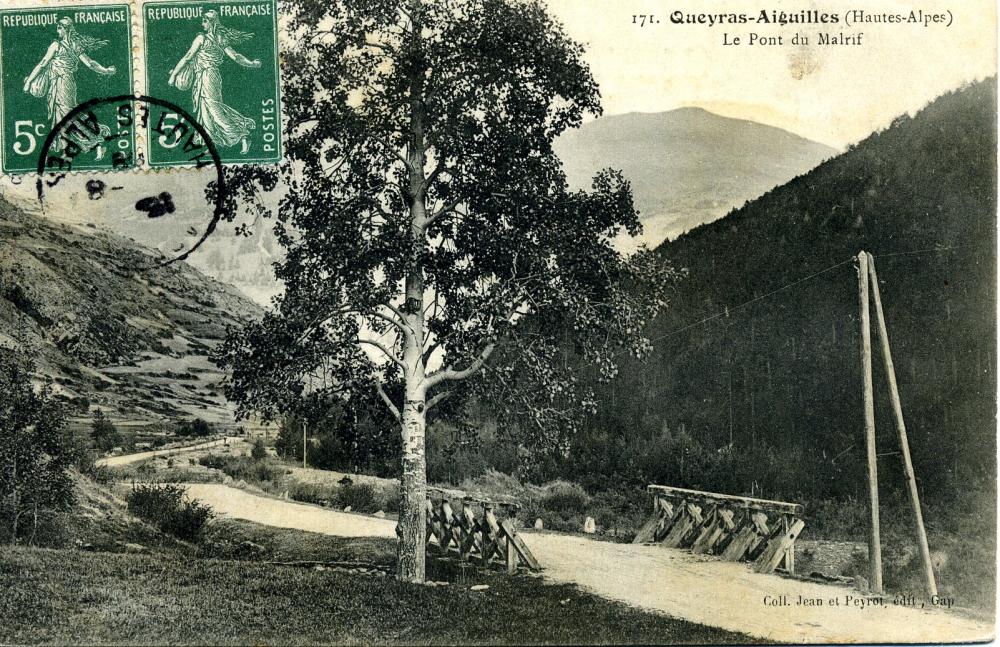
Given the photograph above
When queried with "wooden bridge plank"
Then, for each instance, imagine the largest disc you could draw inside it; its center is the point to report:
(776, 548)
(750, 502)
(522, 549)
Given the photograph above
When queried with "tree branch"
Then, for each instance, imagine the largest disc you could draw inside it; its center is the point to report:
(386, 352)
(399, 325)
(445, 209)
(388, 401)
(451, 374)
(436, 399)
(394, 310)
(399, 156)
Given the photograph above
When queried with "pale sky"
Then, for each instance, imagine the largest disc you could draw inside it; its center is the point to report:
(842, 93)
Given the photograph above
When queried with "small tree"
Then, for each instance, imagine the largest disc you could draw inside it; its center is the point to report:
(288, 443)
(105, 436)
(195, 427)
(258, 452)
(433, 249)
(34, 455)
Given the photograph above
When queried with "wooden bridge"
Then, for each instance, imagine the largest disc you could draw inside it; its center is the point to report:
(467, 526)
(733, 527)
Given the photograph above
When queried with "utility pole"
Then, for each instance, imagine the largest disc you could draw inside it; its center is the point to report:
(303, 444)
(897, 411)
(868, 400)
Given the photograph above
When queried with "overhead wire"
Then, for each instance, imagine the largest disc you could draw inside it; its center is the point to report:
(729, 309)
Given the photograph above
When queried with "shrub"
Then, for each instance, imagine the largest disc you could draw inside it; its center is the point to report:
(564, 497)
(213, 461)
(244, 468)
(309, 493)
(167, 508)
(258, 452)
(196, 427)
(361, 497)
(492, 483)
(105, 436)
(389, 498)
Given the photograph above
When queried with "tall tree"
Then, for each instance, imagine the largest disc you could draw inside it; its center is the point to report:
(433, 249)
(35, 456)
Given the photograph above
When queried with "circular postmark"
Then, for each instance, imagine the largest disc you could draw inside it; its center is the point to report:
(101, 129)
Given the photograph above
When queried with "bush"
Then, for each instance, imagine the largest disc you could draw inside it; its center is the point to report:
(309, 493)
(361, 497)
(167, 508)
(105, 436)
(196, 427)
(389, 498)
(258, 452)
(564, 497)
(493, 483)
(213, 461)
(243, 468)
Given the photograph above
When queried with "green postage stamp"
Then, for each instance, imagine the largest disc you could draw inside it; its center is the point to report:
(53, 60)
(219, 62)
(213, 62)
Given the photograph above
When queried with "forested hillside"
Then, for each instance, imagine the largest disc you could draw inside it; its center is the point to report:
(754, 384)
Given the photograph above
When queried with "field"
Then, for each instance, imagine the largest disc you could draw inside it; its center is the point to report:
(60, 596)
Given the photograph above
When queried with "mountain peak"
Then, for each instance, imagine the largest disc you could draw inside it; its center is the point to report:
(687, 166)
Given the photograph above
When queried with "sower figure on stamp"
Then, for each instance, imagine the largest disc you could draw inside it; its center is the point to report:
(199, 71)
(55, 75)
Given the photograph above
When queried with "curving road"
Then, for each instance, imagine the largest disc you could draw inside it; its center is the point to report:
(696, 588)
(115, 461)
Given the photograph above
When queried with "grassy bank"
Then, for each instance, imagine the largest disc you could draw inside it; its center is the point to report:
(110, 578)
(72, 597)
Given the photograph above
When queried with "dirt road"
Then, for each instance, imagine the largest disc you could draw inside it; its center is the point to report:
(288, 514)
(114, 461)
(700, 589)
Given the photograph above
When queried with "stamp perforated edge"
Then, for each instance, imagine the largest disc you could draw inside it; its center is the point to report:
(140, 85)
(276, 43)
(61, 5)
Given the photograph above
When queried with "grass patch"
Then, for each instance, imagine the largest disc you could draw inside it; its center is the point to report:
(229, 539)
(67, 597)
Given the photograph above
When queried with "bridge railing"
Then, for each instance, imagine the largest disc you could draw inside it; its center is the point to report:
(735, 528)
(476, 528)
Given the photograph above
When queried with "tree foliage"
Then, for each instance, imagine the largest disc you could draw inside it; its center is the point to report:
(360, 437)
(195, 427)
(433, 249)
(34, 455)
(104, 434)
(503, 243)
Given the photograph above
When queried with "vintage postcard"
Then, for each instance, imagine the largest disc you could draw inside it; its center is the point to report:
(497, 322)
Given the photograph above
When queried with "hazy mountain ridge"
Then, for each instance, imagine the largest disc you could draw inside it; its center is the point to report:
(108, 332)
(687, 166)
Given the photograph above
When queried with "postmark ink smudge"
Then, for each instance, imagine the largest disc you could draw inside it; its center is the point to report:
(157, 205)
(95, 189)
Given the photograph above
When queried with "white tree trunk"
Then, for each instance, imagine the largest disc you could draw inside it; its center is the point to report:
(413, 513)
